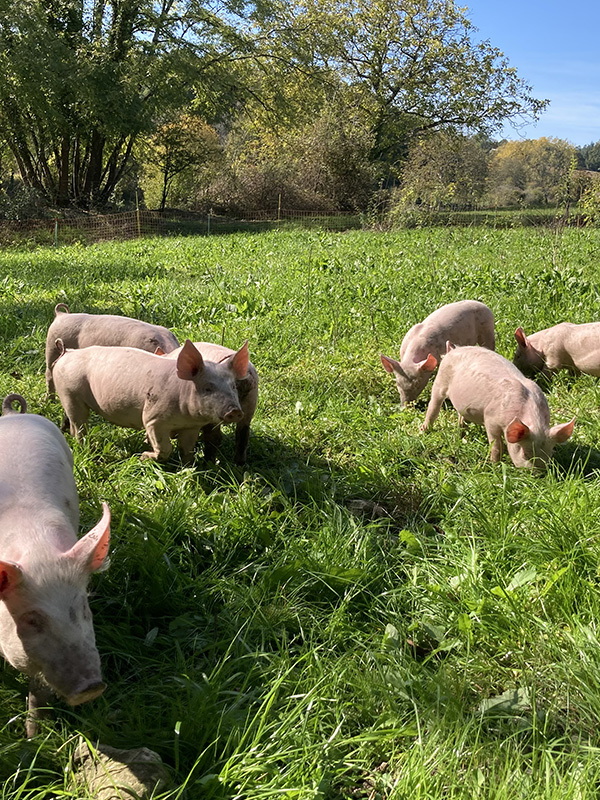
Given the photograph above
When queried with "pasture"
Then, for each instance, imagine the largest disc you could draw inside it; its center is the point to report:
(364, 611)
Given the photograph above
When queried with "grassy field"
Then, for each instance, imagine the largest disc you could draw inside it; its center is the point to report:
(364, 612)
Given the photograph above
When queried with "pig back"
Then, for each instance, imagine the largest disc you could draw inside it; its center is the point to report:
(36, 469)
(477, 378)
(110, 330)
(464, 323)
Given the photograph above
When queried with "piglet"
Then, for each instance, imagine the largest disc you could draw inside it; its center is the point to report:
(247, 391)
(466, 322)
(110, 330)
(564, 346)
(166, 397)
(485, 388)
(46, 626)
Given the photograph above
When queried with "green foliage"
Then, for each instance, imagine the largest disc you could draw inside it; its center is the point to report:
(530, 172)
(363, 610)
(82, 85)
(590, 200)
(81, 82)
(441, 171)
(416, 67)
(589, 156)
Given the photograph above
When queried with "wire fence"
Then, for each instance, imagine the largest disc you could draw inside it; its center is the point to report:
(136, 224)
(89, 228)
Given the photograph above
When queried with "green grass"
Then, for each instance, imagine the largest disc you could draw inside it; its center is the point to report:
(364, 611)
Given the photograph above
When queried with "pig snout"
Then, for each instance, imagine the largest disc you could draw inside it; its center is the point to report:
(233, 415)
(85, 693)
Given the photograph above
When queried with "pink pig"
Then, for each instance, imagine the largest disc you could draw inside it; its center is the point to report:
(564, 346)
(485, 388)
(247, 391)
(46, 626)
(83, 330)
(463, 323)
(165, 397)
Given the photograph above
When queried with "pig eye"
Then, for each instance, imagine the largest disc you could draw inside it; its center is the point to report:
(209, 388)
(31, 622)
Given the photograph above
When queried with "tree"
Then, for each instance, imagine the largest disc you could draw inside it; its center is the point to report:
(186, 143)
(530, 172)
(82, 80)
(589, 156)
(415, 66)
(442, 170)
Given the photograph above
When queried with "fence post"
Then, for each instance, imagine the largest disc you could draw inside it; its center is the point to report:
(279, 208)
(55, 232)
(137, 214)
(208, 224)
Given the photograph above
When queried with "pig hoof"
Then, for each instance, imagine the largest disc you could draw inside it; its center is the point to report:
(148, 454)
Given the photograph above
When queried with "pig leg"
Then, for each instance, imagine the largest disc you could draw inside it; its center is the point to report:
(186, 441)
(76, 415)
(160, 440)
(50, 384)
(38, 700)
(212, 436)
(242, 436)
(438, 395)
(494, 435)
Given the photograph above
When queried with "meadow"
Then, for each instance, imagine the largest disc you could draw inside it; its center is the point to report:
(363, 612)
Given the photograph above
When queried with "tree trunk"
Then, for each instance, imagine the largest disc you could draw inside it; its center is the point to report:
(62, 198)
(94, 168)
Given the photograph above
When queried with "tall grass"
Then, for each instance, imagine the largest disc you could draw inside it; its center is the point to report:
(364, 611)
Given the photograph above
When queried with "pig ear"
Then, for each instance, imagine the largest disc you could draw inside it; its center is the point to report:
(189, 362)
(515, 431)
(10, 576)
(239, 362)
(159, 351)
(428, 365)
(560, 433)
(520, 337)
(390, 365)
(92, 549)
(450, 346)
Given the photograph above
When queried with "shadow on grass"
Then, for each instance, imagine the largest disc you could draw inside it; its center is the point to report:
(571, 458)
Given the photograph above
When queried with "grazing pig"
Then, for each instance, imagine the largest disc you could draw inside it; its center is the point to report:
(45, 621)
(167, 397)
(247, 391)
(564, 346)
(463, 323)
(485, 388)
(83, 330)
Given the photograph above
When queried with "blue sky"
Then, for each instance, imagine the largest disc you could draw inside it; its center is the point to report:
(555, 47)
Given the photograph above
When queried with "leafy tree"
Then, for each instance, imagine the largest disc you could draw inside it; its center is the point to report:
(81, 80)
(530, 172)
(442, 170)
(589, 156)
(590, 200)
(415, 66)
(185, 144)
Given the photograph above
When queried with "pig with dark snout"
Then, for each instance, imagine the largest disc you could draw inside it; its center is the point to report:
(466, 322)
(165, 397)
(487, 389)
(46, 626)
(109, 330)
(571, 346)
(247, 391)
